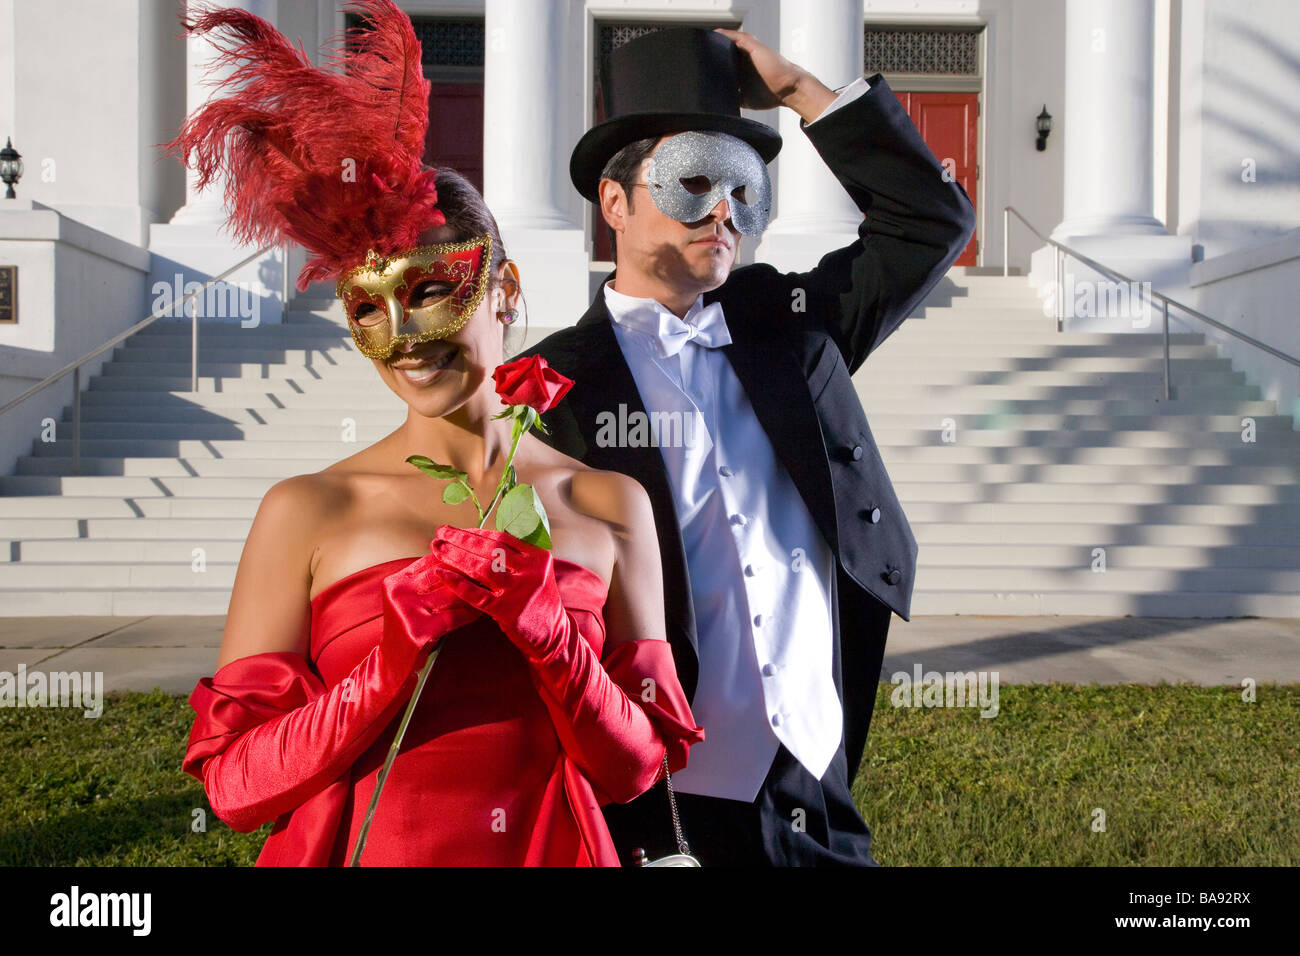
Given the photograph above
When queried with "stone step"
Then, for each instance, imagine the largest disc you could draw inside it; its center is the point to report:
(1115, 579)
(1202, 379)
(332, 354)
(1118, 557)
(50, 474)
(1026, 385)
(921, 332)
(129, 421)
(1092, 533)
(1275, 456)
(130, 476)
(1011, 358)
(1199, 375)
(16, 576)
(935, 599)
(1026, 311)
(989, 281)
(300, 333)
(910, 491)
(964, 397)
(142, 602)
(238, 506)
(961, 291)
(1094, 474)
(326, 442)
(1113, 513)
(914, 492)
(1226, 538)
(209, 405)
(993, 351)
(219, 551)
(111, 602)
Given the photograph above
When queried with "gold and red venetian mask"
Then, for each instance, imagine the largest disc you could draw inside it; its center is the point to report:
(397, 288)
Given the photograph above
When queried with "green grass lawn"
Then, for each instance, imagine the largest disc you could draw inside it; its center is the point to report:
(1185, 775)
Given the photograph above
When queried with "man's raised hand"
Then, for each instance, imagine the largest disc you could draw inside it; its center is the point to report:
(778, 82)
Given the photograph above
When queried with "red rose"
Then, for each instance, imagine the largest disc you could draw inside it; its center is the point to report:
(530, 381)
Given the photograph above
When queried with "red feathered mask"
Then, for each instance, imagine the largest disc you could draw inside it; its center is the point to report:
(329, 160)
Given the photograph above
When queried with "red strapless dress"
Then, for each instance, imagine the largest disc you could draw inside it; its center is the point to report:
(482, 777)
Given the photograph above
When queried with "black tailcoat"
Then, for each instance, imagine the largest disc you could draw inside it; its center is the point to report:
(796, 339)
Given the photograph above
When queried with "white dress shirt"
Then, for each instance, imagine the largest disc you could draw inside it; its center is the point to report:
(760, 569)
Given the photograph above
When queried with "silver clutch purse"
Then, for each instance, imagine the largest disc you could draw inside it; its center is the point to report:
(681, 858)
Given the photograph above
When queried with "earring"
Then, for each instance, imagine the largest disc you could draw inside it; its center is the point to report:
(508, 316)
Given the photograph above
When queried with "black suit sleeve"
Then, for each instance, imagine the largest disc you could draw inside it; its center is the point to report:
(915, 223)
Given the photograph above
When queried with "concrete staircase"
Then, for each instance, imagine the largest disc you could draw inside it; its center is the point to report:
(1060, 448)
(166, 473)
(1044, 473)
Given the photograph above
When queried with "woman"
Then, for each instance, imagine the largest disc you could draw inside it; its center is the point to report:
(555, 689)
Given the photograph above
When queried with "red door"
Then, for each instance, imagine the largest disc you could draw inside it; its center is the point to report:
(455, 136)
(948, 123)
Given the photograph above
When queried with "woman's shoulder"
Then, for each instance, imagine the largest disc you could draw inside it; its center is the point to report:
(312, 492)
(296, 510)
(611, 497)
(333, 486)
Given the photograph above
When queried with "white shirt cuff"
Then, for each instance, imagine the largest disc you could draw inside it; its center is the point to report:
(847, 94)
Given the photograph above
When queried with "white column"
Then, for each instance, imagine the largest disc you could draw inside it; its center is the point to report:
(194, 245)
(525, 160)
(533, 80)
(813, 212)
(1108, 135)
(205, 207)
(1108, 123)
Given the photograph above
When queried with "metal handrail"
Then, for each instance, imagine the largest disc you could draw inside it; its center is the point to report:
(75, 367)
(1063, 250)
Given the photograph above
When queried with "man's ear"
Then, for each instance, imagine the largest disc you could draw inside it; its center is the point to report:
(613, 204)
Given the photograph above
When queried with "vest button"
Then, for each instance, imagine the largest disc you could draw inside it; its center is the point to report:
(893, 575)
(857, 452)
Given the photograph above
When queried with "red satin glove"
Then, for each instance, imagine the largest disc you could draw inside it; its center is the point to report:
(608, 733)
(274, 766)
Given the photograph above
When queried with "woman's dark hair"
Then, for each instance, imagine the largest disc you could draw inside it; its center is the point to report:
(623, 168)
(468, 216)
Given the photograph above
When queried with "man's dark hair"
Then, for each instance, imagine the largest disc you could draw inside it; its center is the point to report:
(623, 167)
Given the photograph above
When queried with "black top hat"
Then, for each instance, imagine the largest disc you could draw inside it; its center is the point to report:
(665, 82)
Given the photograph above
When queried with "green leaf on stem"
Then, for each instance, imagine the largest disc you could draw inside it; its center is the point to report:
(434, 470)
(455, 493)
(521, 514)
(541, 535)
(541, 426)
(516, 513)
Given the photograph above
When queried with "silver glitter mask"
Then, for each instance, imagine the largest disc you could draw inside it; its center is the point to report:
(732, 169)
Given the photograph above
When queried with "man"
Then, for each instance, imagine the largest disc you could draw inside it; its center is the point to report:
(784, 547)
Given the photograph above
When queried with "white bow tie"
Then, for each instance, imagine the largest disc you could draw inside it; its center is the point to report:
(708, 329)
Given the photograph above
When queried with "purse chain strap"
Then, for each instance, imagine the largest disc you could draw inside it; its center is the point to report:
(672, 803)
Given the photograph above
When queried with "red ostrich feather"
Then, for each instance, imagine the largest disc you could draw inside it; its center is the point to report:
(329, 160)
